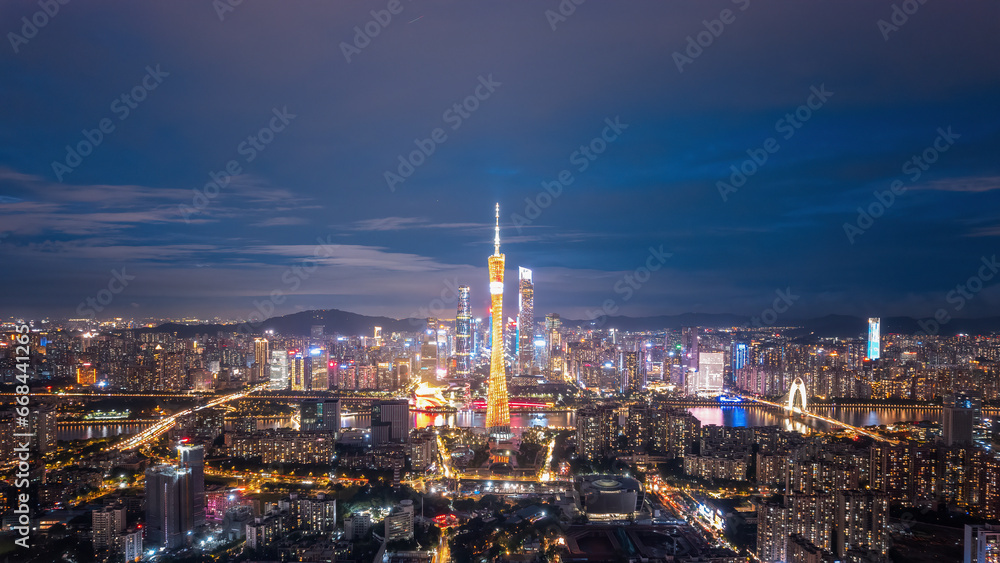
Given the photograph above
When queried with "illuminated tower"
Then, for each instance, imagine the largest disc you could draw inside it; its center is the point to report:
(497, 410)
(463, 334)
(874, 338)
(525, 321)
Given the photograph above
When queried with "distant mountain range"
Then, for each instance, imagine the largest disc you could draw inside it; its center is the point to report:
(346, 323)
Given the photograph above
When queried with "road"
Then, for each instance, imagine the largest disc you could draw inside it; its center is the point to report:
(165, 424)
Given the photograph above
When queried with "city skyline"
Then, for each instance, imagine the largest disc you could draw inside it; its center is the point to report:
(138, 204)
(252, 311)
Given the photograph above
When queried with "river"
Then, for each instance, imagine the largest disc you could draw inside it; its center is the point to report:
(734, 415)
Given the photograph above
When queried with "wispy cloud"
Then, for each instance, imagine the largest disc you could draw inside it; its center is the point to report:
(281, 221)
(969, 184)
(403, 223)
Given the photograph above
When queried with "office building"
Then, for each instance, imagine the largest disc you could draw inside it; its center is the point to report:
(525, 321)
(279, 370)
(874, 338)
(463, 334)
(497, 407)
(708, 378)
(390, 422)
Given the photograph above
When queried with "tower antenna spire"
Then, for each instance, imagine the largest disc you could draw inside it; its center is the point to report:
(496, 237)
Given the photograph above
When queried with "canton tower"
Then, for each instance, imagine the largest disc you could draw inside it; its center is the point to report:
(497, 410)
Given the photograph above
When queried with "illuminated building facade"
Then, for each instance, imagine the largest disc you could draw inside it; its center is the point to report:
(874, 338)
(463, 334)
(279, 370)
(497, 410)
(525, 321)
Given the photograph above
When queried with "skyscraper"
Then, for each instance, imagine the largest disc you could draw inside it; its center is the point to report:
(279, 370)
(192, 458)
(689, 358)
(168, 506)
(261, 356)
(874, 338)
(497, 409)
(463, 334)
(525, 321)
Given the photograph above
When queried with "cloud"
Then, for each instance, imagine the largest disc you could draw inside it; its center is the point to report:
(970, 184)
(404, 223)
(281, 221)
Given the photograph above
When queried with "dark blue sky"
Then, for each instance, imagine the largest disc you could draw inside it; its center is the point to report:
(322, 176)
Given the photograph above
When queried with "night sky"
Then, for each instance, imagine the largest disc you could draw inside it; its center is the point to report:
(880, 94)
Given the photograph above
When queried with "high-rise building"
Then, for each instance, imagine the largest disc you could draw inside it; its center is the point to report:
(42, 422)
(390, 422)
(106, 525)
(632, 372)
(168, 506)
(463, 334)
(319, 374)
(689, 356)
(525, 321)
(497, 408)
(192, 458)
(708, 378)
(132, 544)
(320, 415)
(862, 522)
(399, 522)
(958, 418)
(982, 544)
(279, 370)
(300, 372)
(874, 338)
(554, 341)
(261, 357)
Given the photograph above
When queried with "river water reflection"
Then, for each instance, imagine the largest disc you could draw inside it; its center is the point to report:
(734, 415)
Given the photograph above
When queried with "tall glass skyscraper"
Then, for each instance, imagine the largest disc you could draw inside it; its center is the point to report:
(874, 338)
(525, 321)
(497, 408)
(463, 334)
